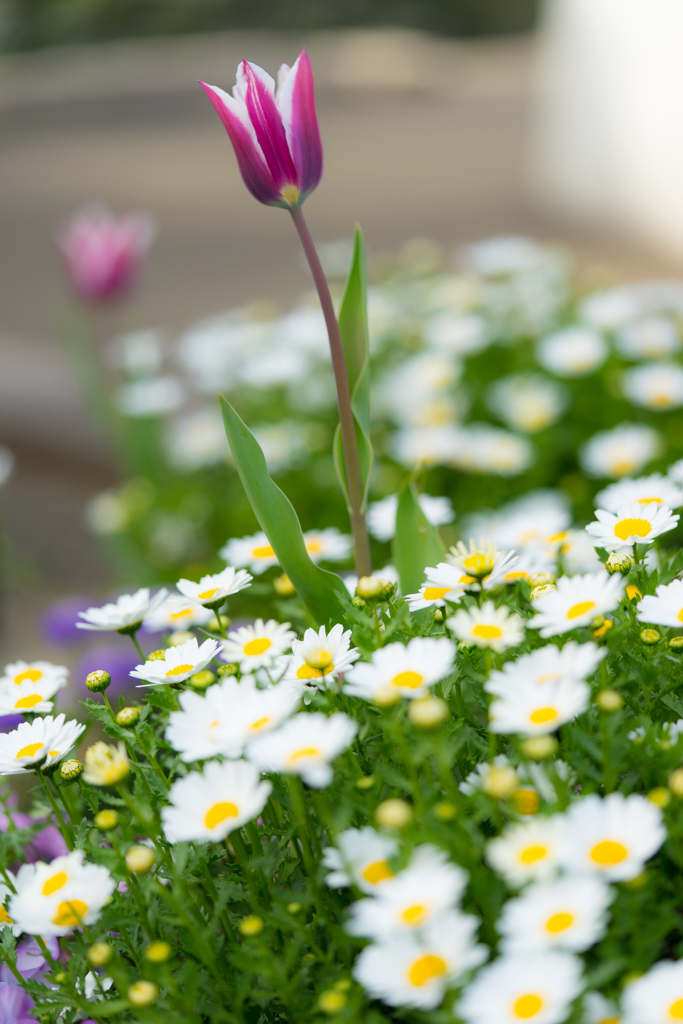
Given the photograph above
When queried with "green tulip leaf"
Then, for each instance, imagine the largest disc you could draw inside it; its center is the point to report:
(416, 542)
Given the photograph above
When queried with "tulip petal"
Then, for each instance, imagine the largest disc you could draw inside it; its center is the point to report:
(296, 99)
(267, 123)
(250, 159)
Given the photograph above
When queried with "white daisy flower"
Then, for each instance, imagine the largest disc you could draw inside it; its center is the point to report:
(528, 402)
(478, 561)
(304, 746)
(665, 607)
(513, 569)
(533, 710)
(412, 969)
(174, 614)
(389, 572)
(444, 583)
(457, 334)
(256, 646)
(572, 352)
(483, 448)
(322, 656)
(611, 307)
(41, 742)
(208, 806)
(656, 997)
(381, 515)
(675, 472)
(253, 553)
(487, 626)
(27, 696)
(649, 337)
(566, 913)
(429, 886)
(646, 490)
(613, 836)
(577, 553)
(622, 451)
(527, 521)
(211, 591)
(228, 715)
(126, 614)
(576, 602)
(361, 859)
(179, 663)
(428, 445)
(631, 524)
(656, 386)
(5, 893)
(55, 898)
(399, 670)
(40, 673)
(598, 1010)
(538, 988)
(528, 850)
(327, 545)
(575, 662)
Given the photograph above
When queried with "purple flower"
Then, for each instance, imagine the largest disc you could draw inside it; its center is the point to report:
(9, 722)
(30, 963)
(15, 1004)
(46, 844)
(274, 134)
(59, 620)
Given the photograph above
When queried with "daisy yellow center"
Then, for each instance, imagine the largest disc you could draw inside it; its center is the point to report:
(53, 753)
(649, 501)
(527, 801)
(622, 466)
(408, 679)
(467, 579)
(487, 632)
(608, 853)
(426, 968)
(206, 595)
(178, 670)
(633, 591)
(414, 915)
(303, 752)
(435, 593)
(29, 702)
(661, 401)
(559, 922)
(4, 917)
(259, 723)
(632, 528)
(548, 676)
(478, 564)
(542, 715)
(185, 613)
(609, 1020)
(512, 576)
(30, 750)
(55, 883)
(313, 547)
(263, 552)
(257, 646)
(306, 671)
(70, 914)
(34, 674)
(531, 854)
(580, 609)
(219, 812)
(527, 1006)
(680, 615)
(676, 1010)
(377, 872)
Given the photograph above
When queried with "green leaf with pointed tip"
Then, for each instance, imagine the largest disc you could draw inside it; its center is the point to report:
(416, 542)
(353, 327)
(323, 593)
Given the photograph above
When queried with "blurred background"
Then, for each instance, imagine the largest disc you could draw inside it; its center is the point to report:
(444, 121)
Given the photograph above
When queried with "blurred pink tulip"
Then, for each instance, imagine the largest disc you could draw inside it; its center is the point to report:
(104, 254)
(274, 134)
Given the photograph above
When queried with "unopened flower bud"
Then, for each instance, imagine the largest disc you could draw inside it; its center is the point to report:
(293, 908)
(676, 643)
(676, 783)
(539, 747)
(157, 656)
(365, 782)
(59, 977)
(158, 952)
(499, 782)
(140, 859)
(318, 660)
(650, 636)
(445, 811)
(202, 680)
(540, 579)
(427, 712)
(98, 681)
(284, 586)
(127, 716)
(386, 696)
(660, 796)
(618, 562)
(332, 1002)
(438, 615)
(525, 801)
(143, 993)
(226, 670)
(215, 626)
(106, 820)
(71, 770)
(359, 603)
(375, 588)
(251, 925)
(639, 882)
(609, 700)
(394, 813)
(180, 636)
(547, 588)
(105, 765)
(99, 954)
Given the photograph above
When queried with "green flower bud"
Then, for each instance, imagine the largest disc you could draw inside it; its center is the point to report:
(98, 681)
(71, 770)
(202, 680)
(650, 637)
(251, 925)
(106, 820)
(618, 562)
(214, 626)
(159, 655)
(158, 952)
(676, 643)
(127, 716)
(226, 670)
(143, 993)
(609, 700)
(539, 747)
(375, 588)
(99, 954)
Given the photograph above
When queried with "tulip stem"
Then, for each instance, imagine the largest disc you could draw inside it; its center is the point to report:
(361, 543)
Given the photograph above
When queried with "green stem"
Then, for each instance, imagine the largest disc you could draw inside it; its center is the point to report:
(61, 824)
(243, 860)
(12, 966)
(302, 824)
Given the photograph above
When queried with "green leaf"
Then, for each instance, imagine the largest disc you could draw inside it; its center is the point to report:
(353, 327)
(416, 542)
(323, 593)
